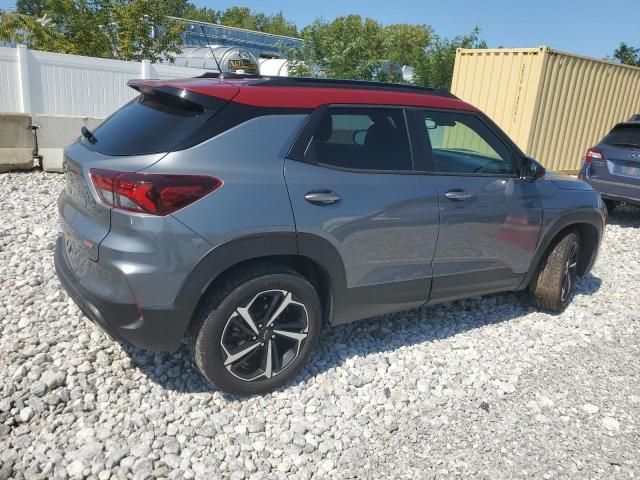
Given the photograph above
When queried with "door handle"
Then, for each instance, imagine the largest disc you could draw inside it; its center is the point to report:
(322, 197)
(458, 195)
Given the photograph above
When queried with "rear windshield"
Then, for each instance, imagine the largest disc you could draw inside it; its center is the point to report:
(150, 123)
(625, 136)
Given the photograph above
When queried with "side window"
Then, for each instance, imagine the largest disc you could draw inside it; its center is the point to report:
(461, 143)
(361, 138)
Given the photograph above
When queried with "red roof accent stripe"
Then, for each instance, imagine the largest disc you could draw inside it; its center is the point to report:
(312, 97)
(306, 97)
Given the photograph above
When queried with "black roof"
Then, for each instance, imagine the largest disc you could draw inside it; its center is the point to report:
(341, 83)
(265, 81)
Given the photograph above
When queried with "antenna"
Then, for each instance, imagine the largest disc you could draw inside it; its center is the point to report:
(212, 52)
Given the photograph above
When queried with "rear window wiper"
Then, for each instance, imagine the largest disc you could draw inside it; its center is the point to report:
(625, 144)
(86, 133)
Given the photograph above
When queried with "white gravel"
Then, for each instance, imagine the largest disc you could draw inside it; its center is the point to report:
(485, 388)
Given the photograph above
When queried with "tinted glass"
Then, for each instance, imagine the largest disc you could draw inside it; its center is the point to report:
(362, 138)
(625, 136)
(461, 143)
(147, 124)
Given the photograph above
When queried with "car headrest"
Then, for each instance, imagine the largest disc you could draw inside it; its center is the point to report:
(380, 134)
(325, 127)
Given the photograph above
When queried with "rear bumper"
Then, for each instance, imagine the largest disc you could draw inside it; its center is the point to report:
(620, 192)
(149, 329)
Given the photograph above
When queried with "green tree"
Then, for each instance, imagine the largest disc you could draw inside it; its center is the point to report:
(405, 44)
(362, 49)
(203, 14)
(349, 47)
(627, 54)
(435, 69)
(276, 24)
(131, 29)
(243, 17)
(83, 24)
(240, 17)
(18, 28)
(31, 7)
(121, 29)
(140, 29)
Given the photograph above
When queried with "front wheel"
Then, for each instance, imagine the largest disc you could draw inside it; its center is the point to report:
(257, 331)
(552, 288)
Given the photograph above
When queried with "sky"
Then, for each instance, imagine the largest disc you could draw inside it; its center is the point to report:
(588, 27)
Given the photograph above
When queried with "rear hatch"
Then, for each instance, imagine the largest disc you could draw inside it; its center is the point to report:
(161, 119)
(621, 152)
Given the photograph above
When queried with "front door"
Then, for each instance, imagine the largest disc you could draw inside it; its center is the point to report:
(490, 219)
(355, 191)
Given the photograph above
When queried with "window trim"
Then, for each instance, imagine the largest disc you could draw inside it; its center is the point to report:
(300, 147)
(426, 153)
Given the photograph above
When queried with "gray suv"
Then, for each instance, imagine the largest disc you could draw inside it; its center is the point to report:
(247, 213)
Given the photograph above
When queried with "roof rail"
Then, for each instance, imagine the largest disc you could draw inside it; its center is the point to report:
(340, 83)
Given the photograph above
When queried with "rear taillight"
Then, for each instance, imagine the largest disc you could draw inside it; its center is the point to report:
(152, 193)
(593, 153)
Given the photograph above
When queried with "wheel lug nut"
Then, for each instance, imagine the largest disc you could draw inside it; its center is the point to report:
(259, 325)
(255, 338)
(262, 344)
(273, 336)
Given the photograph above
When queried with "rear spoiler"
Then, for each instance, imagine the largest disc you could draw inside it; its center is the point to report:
(158, 87)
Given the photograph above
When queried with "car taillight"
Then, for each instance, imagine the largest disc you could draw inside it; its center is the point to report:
(152, 193)
(593, 153)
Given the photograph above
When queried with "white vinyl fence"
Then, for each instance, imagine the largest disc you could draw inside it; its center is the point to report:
(35, 82)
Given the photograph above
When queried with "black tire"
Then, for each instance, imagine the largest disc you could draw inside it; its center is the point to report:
(610, 204)
(548, 290)
(219, 316)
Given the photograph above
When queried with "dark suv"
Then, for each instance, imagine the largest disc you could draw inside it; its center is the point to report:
(612, 167)
(248, 213)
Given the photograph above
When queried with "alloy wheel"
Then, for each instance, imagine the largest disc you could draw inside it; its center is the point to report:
(569, 274)
(263, 337)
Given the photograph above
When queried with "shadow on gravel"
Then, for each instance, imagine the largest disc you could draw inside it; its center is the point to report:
(628, 217)
(424, 325)
(177, 372)
(173, 371)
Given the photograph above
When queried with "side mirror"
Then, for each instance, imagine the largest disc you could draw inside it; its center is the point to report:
(531, 170)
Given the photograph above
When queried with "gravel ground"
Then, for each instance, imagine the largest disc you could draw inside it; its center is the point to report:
(485, 388)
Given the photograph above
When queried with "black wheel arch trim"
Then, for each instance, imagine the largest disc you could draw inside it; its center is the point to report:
(254, 247)
(346, 304)
(588, 216)
(224, 256)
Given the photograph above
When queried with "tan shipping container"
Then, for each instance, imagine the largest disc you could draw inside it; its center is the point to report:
(554, 105)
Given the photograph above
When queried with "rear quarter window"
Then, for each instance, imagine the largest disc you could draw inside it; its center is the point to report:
(150, 123)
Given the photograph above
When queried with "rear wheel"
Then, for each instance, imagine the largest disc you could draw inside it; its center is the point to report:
(257, 331)
(552, 288)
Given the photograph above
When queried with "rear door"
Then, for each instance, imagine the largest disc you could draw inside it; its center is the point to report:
(621, 162)
(354, 191)
(490, 219)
